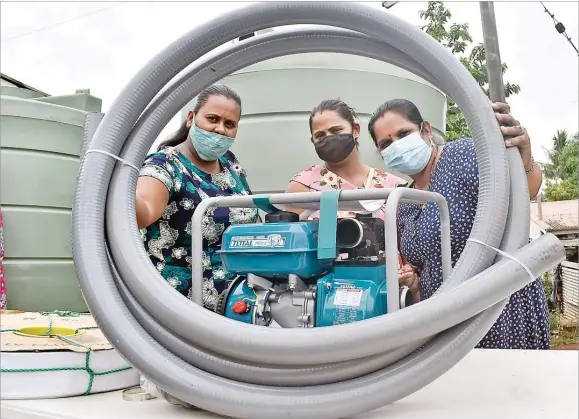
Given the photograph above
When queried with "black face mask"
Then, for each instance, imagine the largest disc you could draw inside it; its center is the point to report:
(335, 148)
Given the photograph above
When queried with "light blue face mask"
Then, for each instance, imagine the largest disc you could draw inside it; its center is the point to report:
(210, 146)
(408, 155)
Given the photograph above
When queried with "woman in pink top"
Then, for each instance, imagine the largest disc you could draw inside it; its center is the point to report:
(335, 134)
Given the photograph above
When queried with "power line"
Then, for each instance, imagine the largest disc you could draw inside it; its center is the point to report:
(63, 22)
(560, 27)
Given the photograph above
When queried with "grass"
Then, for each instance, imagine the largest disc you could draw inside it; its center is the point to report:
(560, 334)
(564, 337)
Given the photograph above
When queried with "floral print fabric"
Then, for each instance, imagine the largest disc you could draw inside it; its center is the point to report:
(319, 178)
(2, 280)
(168, 240)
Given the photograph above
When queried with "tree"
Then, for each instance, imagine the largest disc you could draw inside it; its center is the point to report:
(552, 169)
(562, 170)
(456, 37)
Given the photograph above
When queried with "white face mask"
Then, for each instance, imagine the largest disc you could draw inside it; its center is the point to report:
(408, 155)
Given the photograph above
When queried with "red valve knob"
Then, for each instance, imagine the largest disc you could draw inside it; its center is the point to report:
(240, 307)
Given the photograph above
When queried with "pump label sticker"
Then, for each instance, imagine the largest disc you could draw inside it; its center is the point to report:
(272, 240)
(348, 297)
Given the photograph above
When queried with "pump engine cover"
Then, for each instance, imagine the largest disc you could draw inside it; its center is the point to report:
(273, 250)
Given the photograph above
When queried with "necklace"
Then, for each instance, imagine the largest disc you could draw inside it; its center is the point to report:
(366, 181)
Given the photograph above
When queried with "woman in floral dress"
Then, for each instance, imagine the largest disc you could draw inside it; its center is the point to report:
(193, 165)
(335, 135)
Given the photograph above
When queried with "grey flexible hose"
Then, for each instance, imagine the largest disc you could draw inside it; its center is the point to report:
(210, 361)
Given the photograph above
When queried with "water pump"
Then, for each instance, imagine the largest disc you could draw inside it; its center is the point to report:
(282, 276)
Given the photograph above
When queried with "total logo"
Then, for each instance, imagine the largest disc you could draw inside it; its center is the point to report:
(272, 240)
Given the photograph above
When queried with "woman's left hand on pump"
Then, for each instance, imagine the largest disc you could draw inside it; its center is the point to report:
(408, 276)
(515, 135)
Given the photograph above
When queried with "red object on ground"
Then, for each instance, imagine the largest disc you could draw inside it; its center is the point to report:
(240, 307)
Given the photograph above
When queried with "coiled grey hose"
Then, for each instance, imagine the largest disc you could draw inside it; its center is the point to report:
(246, 371)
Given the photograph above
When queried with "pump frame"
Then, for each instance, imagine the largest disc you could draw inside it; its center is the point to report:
(392, 196)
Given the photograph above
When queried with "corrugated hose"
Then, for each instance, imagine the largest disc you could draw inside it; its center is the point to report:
(252, 372)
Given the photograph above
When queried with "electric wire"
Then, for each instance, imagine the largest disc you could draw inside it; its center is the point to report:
(560, 27)
(64, 22)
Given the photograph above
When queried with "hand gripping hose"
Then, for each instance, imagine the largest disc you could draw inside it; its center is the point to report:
(253, 372)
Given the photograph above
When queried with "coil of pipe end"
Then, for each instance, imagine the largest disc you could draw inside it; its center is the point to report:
(253, 372)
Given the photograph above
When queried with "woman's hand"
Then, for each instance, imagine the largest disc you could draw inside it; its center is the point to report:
(517, 136)
(408, 276)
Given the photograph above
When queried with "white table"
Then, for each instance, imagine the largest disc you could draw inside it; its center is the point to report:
(487, 384)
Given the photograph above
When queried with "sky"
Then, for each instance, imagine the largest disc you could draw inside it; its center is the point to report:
(58, 47)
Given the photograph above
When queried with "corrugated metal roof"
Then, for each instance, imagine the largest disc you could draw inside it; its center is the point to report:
(570, 281)
(556, 215)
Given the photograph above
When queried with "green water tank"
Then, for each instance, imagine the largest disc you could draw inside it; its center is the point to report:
(40, 141)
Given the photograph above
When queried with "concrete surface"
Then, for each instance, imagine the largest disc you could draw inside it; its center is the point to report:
(487, 384)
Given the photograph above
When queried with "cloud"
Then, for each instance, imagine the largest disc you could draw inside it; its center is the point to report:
(101, 51)
(104, 50)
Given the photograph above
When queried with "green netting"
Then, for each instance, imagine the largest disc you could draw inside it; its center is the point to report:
(91, 373)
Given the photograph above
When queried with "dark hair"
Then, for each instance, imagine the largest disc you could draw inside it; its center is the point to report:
(337, 106)
(215, 90)
(402, 107)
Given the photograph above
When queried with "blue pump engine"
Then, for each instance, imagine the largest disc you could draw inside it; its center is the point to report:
(282, 276)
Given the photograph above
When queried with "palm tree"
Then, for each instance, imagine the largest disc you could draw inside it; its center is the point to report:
(553, 170)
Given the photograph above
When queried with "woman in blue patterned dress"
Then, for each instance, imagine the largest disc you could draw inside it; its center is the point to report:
(405, 143)
(193, 165)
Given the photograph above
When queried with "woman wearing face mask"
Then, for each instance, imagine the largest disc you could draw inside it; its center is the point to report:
(335, 135)
(405, 143)
(193, 165)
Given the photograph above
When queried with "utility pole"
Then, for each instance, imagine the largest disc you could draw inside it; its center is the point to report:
(493, 56)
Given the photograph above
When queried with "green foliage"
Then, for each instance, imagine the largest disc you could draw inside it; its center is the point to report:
(563, 191)
(456, 37)
(570, 159)
(562, 170)
(547, 280)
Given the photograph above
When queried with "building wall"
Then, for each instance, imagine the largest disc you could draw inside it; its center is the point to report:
(535, 231)
(570, 282)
